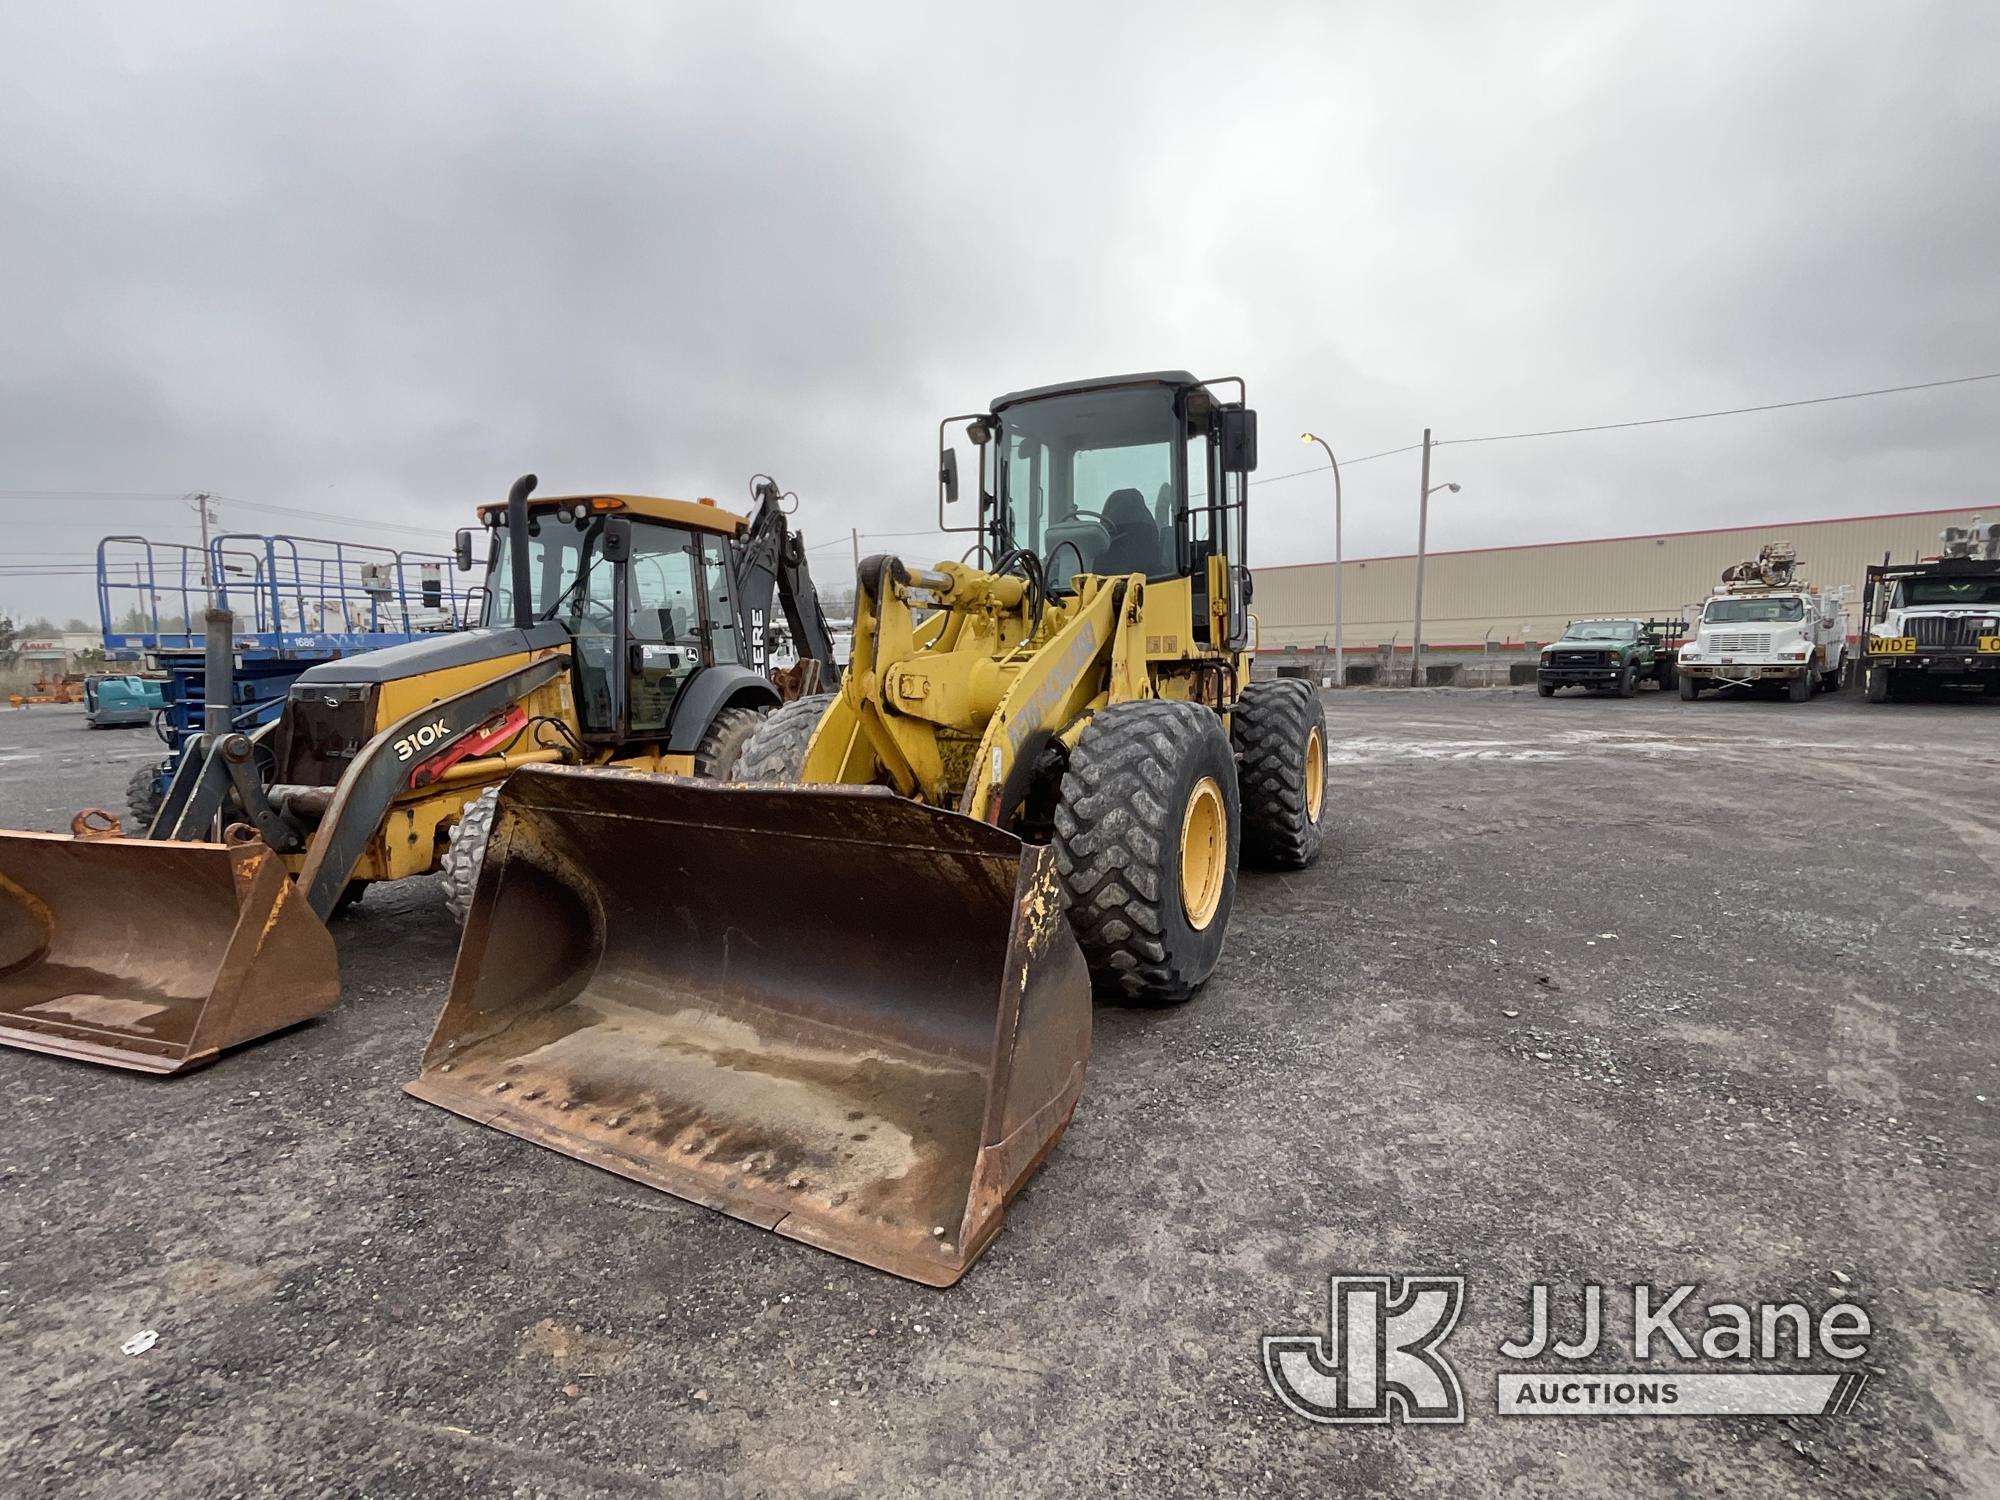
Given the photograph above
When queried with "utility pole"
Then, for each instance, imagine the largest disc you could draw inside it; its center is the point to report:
(1423, 530)
(1423, 534)
(200, 501)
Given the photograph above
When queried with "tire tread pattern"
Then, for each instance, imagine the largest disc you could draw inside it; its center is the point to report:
(777, 750)
(1117, 845)
(1270, 728)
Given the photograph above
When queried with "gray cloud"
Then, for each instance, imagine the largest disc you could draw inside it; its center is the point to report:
(374, 260)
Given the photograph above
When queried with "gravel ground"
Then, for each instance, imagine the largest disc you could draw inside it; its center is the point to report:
(1430, 1053)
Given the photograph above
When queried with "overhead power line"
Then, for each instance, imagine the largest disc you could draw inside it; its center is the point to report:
(263, 507)
(1734, 411)
(1693, 416)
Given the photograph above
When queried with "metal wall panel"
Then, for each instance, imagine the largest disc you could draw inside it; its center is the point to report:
(1529, 593)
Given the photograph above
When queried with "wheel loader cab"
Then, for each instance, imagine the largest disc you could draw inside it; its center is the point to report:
(1133, 474)
(641, 586)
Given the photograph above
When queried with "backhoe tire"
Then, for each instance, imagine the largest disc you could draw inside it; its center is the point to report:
(142, 800)
(1279, 733)
(1148, 828)
(776, 751)
(465, 851)
(721, 747)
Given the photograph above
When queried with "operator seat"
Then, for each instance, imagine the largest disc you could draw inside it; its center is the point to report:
(1135, 536)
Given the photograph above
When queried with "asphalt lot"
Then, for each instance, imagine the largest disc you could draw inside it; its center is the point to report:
(1429, 1053)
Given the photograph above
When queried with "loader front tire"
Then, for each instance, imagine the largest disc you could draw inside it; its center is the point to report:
(465, 851)
(1279, 730)
(1148, 828)
(722, 743)
(776, 750)
(142, 800)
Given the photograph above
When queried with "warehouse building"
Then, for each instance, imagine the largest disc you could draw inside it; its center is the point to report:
(1504, 600)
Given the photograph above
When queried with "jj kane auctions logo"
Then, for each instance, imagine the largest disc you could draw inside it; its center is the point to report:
(1382, 1360)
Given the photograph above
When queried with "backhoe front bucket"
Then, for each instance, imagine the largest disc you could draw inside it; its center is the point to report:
(829, 1011)
(153, 956)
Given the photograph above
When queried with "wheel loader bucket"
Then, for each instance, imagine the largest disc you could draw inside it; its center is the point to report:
(153, 956)
(829, 1011)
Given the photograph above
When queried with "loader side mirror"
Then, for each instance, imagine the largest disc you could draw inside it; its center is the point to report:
(948, 475)
(1236, 437)
(616, 543)
(461, 553)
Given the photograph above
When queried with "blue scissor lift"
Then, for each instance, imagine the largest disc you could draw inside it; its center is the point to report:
(296, 601)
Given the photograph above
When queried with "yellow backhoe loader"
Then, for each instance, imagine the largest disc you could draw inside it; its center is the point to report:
(618, 630)
(850, 1001)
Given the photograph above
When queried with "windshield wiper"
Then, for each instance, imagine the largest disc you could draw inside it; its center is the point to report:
(582, 572)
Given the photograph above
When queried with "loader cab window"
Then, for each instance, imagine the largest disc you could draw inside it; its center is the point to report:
(664, 618)
(725, 647)
(574, 585)
(1087, 482)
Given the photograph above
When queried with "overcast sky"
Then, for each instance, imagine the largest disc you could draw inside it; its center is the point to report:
(371, 261)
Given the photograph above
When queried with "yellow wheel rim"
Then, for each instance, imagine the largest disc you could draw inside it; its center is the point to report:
(1204, 853)
(1315, 774)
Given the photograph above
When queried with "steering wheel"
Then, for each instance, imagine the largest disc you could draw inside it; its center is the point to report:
(597, 613)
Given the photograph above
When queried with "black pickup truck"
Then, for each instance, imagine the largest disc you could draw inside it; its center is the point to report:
(1612, 656)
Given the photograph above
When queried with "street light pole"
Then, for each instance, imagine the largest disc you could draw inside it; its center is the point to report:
(1423, 532)
(1423, 529)
(1339, 656)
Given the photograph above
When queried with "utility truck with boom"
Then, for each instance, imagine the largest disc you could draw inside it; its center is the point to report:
(1935, 622)
(1766, 626)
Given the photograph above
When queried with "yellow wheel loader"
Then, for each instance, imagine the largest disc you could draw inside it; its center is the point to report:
(618, 630)
(850, 1000)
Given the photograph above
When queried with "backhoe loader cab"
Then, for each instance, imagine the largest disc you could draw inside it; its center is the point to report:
(855, 1005)
(642, 588)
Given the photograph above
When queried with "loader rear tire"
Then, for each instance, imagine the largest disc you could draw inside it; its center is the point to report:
(142, 800)
(1148, 827)
(465, 851)
(776, 750)
(1279, 731)
(722, 744)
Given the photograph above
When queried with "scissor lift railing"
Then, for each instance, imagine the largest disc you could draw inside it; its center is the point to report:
(296, 601)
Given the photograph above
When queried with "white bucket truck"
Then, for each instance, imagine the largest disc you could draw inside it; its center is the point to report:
(1764, 624)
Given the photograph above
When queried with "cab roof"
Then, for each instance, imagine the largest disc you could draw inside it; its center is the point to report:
(702, 515)
(1101, 382)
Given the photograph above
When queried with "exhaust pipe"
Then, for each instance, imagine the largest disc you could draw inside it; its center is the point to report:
(517, 550)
